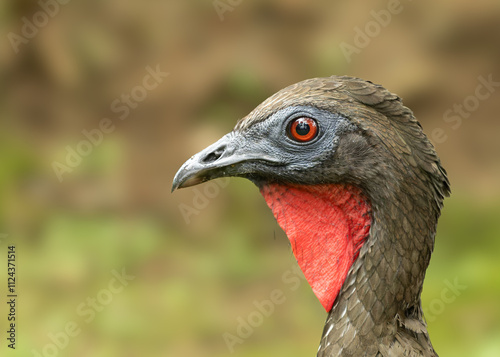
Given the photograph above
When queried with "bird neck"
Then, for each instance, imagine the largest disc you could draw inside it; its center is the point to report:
(326, 225)
(380, 297)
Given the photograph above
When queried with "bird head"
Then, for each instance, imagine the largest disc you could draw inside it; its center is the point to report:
(326, 153)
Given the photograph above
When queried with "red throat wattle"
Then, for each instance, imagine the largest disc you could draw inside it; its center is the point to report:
(326, 226)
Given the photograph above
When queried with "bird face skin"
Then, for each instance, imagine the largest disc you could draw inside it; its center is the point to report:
(267, 152)
(358, 188)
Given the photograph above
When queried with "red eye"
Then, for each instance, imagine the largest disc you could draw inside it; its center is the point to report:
(303, 129)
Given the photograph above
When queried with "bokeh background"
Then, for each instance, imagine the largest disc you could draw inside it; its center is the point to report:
(197, 274)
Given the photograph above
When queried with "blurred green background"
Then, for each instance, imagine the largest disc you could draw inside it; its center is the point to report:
(195, 276)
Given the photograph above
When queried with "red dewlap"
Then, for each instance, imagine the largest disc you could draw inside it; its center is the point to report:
(326, 226)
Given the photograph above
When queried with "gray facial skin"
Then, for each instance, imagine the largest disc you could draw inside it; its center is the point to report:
(264, 151)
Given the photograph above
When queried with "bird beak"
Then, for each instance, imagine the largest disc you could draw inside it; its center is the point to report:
(221, 159)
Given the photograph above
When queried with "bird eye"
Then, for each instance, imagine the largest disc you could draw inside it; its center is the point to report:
(303, 129)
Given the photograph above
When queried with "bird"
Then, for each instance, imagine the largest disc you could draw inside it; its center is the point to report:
(358, 188)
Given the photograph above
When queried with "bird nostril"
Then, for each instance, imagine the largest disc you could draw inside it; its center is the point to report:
(214, 155)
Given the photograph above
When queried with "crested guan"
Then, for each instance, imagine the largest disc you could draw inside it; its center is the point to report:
(358, 188)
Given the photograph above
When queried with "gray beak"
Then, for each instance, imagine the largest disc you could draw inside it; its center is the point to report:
(232, 155)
